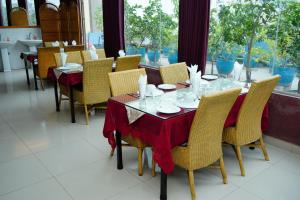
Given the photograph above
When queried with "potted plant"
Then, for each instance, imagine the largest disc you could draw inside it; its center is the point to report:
(242, 23)
(288, 46)
(173, 56)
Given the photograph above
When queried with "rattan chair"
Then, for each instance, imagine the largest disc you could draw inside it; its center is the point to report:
(72, 57)
(45, 60)
(123, 83)
(19, 17)
(248, 126)
(73, 48)
(204, 146)
(87, 56)
(95, 88)
(174, 73)
(128, 62)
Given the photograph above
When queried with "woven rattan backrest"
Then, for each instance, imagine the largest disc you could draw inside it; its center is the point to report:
(206, 132)
(19, 17)
(174, 73)
(87, 56)
(125, 82)
(95, 80)
(46, 60)
(128, 62)
(73, 57)
(73, 48)
(249, 117)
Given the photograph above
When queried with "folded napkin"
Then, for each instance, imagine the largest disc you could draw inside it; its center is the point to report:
(237, 71)
(133, 114)
(193, 70)
(122, 53)
(196, 81)
(55, 44)
(74, 43)
(65, 43)
(142, 86)
(93, 54)
(63, 58)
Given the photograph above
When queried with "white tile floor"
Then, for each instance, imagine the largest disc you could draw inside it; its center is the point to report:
(44, 156)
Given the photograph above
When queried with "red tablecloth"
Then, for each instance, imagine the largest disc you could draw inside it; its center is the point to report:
(30, 58)
(66, 79)
(161, 134)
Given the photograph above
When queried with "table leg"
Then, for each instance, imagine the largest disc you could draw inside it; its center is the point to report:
(119, 150)
(34, 76)
(163, 185)
(26, 69)
(56, 97)
(72, 105)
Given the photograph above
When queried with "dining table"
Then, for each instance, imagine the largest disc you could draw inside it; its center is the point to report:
(70, 79)
(31, 57)
(163, 131)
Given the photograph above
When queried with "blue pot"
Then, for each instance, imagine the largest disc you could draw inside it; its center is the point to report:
(153, 56)
(287, 75)
(224, 67)
(173, 58)
(166, 50)
(142, 51)
(253, 63)
(130, 51)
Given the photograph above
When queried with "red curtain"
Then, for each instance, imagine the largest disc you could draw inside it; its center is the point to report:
(113, 25)
(193, 32)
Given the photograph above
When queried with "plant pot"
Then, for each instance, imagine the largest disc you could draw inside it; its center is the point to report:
(225, 67)
(153, 56)
(166, 51)
(130, 50)
(142, 51)
(287, 75)
(173, 58)
(253, 63)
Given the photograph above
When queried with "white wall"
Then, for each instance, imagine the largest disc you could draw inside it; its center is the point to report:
(15, 34)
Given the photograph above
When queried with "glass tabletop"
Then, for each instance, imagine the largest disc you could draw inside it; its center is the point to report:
(185, 99)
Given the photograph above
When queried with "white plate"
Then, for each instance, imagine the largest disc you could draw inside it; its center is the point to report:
(168, 109)
(155, 93)
(188, 105)
(210, 77)
(167, 86)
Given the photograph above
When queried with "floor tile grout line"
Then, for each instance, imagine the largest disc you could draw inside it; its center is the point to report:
(25, 186)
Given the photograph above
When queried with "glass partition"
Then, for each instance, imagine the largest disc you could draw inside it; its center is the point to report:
(259, 37)
(151, 29)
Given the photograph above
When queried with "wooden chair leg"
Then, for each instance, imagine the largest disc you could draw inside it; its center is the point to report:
(42, 84)
(153, 166)
(86, 114)
(263, 148)
(192, 184)
(140, 161)
(223, 170)
(240, 159)
(59, 100)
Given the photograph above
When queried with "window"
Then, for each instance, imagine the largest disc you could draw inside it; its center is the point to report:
(151, 29)
(14, 3)
(4, 13)
(263, 36)
(93, 18)
(31, 12)
(55, 2)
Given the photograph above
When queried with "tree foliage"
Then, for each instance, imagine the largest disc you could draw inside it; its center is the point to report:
(149, 22)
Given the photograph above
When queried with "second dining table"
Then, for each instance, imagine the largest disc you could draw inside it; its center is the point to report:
(161, 131)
